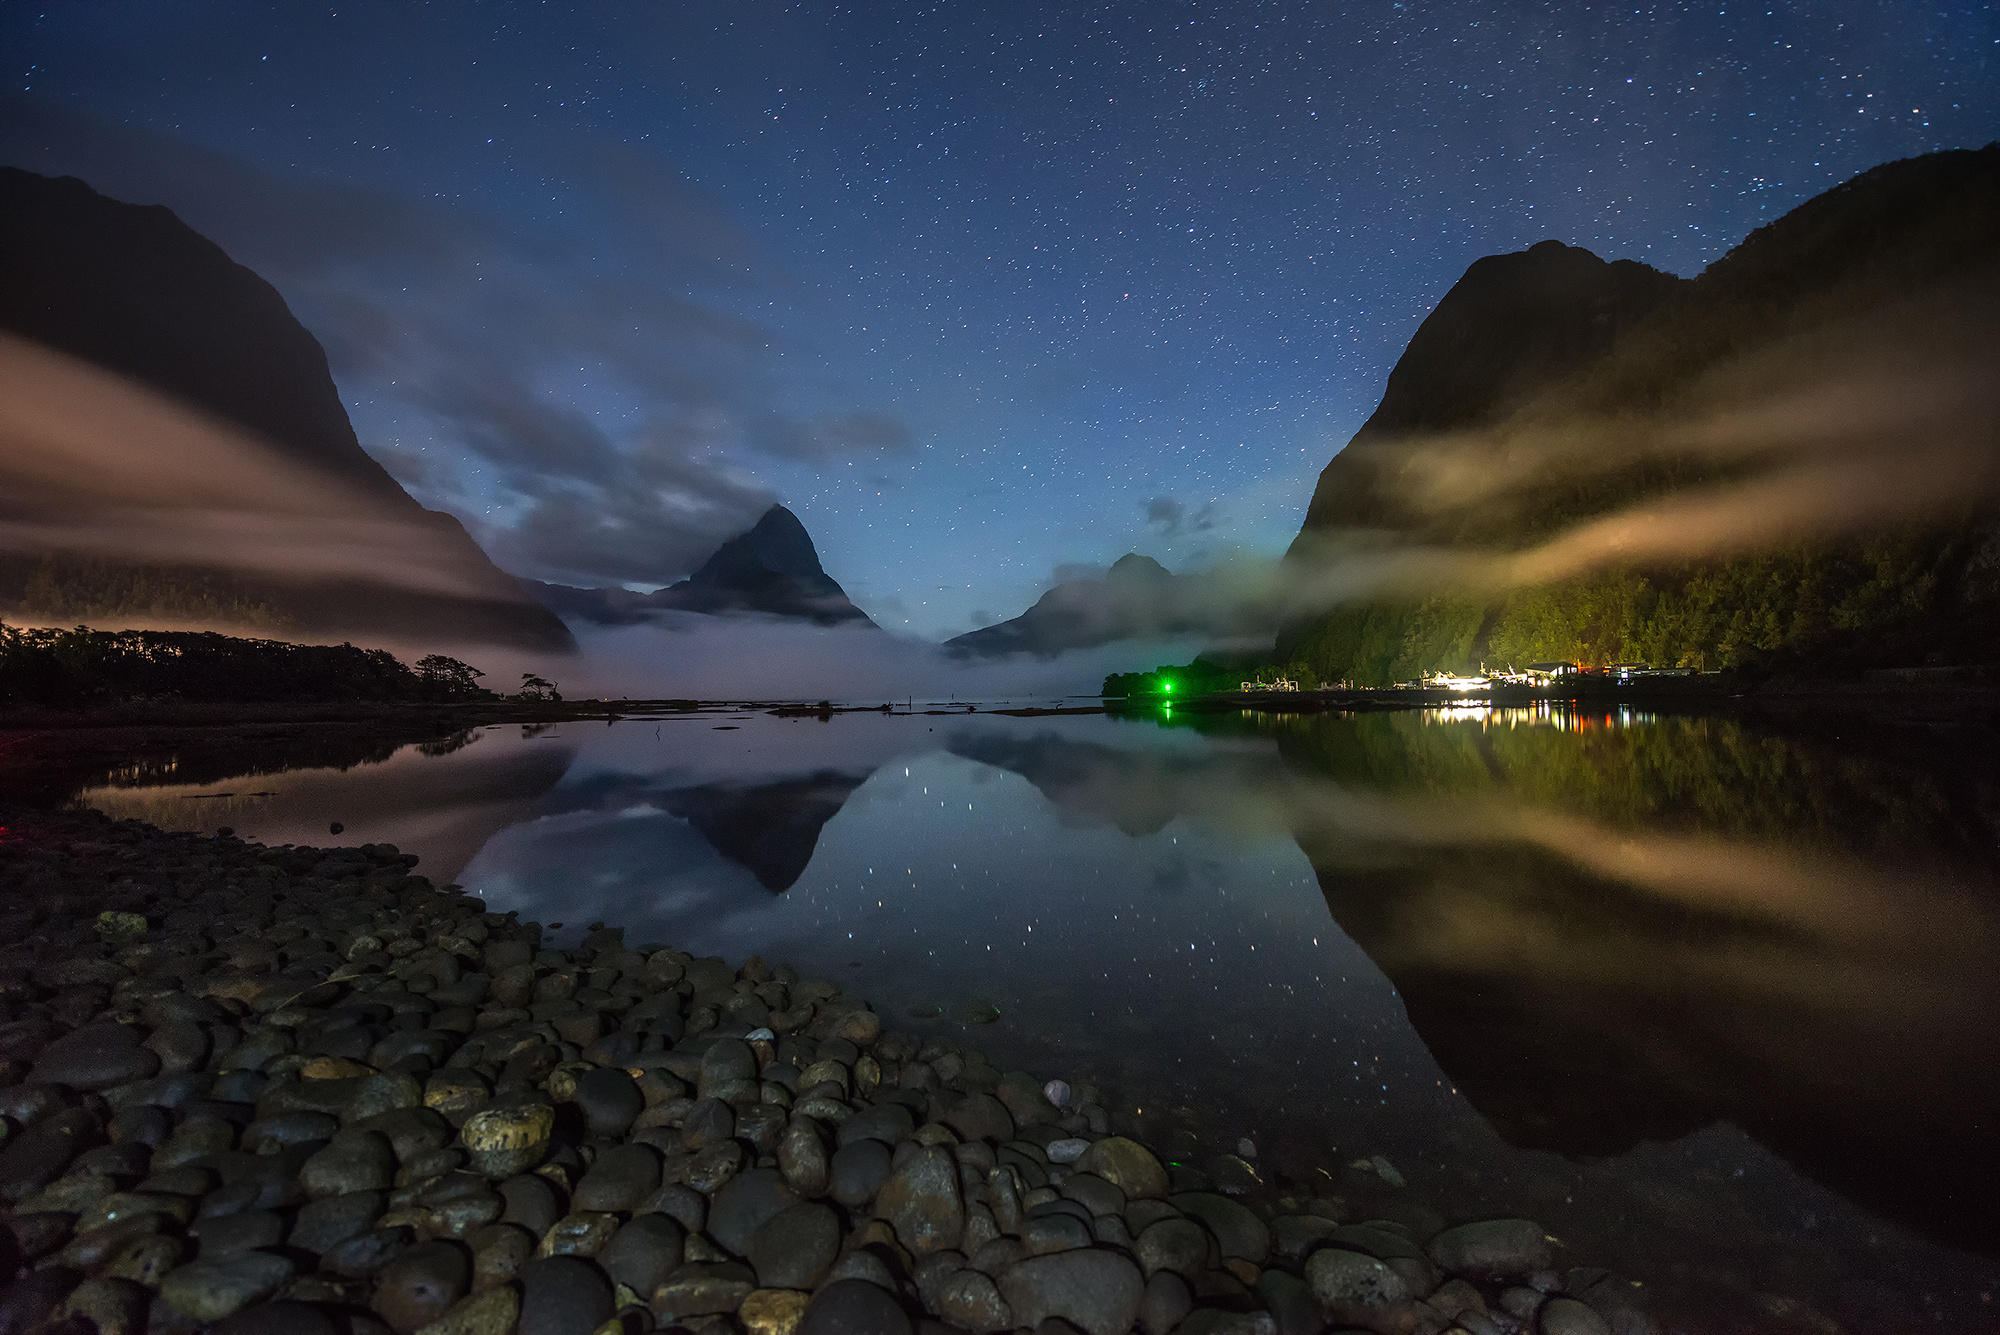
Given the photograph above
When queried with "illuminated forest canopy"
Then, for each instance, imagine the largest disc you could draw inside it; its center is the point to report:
(1553, 341)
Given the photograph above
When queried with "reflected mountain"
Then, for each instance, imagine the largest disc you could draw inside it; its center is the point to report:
(769, 828)
(1630, 934)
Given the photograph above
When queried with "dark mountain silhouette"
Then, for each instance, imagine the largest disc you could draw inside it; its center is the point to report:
(1898, 268)
(772, 570)
(1135, 598)
(133, 289)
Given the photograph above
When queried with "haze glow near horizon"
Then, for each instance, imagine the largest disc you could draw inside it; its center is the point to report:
(977, 293)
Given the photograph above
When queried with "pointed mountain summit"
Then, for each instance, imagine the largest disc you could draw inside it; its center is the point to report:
(1134, 598)
(772, 570)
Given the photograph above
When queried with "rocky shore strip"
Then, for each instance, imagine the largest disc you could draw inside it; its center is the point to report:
(303, 1091)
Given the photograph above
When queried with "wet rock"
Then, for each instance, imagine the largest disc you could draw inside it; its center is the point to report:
(1568, 1316)
(1179, 1245)
(415, 1289)
(1237, 1231)
(1492, 1248)
(498, 1253)
(212, 1290)
(773, 1311)
(1354, 1286)
(1127, 1165)
(583, 1233)
(563, 1295)
(644, 1252)
(620, 1179)
(981, 1117)
(698, 1289)
(509, 1137)
(531, 1202)
(331, 1220)
(110, 1306)
(857, 1171)
(1294, 1235)
(97, 1056)
(794, 1248)
(610, 1100)
(243, 1231)
(1067, 1150)
(1096, 1290)
(489, 1312)
(802, 1158)
(1166, 1302)
(353, 1161)
(921, 1201)
(745, 1204)
(29, 1302)
(285, 1317)
(854, 1307)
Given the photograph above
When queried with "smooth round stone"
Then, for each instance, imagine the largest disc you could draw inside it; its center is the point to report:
(857, 1171)
(854, 1307)
(415, 1289)
(889, 1123)
(111, 1306)
(38, 1155)
(727, 1061)
(212, 1290)
(1492, 1248)
(1354, 1286)
(1568, 1316)
(489, 1312)
(1093, 1193)
(620, 1179)
(1127, 1165)
(744, 1204)
(97, 1056)
(268, 1134)
(709, 1122)
(1045, 1233)
(981, 1117)
(1178, 1245)
(773, 1311)
(1067, 1150)
(508, 1138)
(921, 1201)
(643, 1252)
(29, 1302)
(1168, 1300)
(284, 1317)
(331, 1220)
(794, 1248)
(802, 1158)
(354, 1161)
(239, 1232)
(532, 1202)
(1237, 1231)
(582, 1233)
(610, 1099)
(1096, 1290)
(563, 1295)
(498, 1253)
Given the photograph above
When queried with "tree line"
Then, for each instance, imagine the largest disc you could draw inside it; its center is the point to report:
(83, 667)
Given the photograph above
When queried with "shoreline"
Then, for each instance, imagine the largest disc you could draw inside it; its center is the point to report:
(502, 1134)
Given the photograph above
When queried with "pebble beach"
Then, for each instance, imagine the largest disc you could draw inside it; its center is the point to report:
(301, 1090)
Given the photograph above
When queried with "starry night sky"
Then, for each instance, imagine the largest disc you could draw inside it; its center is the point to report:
(979, 290)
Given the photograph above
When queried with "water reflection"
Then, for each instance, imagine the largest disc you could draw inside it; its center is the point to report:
(1610, 935)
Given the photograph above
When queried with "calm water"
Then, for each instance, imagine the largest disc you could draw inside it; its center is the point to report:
(1718, 1007)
